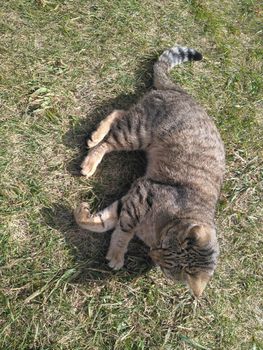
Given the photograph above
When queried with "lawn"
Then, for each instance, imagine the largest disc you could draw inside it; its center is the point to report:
(64, 66)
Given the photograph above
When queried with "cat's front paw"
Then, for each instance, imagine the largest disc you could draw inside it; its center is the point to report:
(82, 213)
(116, 259)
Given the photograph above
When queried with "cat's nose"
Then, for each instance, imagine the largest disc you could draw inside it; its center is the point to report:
(197, 292)
(198, 283)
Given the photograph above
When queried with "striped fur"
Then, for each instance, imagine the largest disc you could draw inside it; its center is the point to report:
(169, 59)
(172, 207)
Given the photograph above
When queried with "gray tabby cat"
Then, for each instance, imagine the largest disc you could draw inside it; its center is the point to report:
(172, 207)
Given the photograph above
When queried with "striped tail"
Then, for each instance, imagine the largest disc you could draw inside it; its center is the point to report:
(168, 59)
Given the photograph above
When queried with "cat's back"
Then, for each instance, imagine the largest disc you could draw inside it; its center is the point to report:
(171, 112)
(185, 144)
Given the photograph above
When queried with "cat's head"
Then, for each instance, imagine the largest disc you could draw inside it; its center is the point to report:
(187, 252)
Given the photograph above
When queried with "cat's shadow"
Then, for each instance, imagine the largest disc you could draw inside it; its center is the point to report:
(89, 249)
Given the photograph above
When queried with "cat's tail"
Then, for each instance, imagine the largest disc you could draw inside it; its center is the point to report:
(168, 59)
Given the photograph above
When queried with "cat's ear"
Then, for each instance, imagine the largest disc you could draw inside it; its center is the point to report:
(198, 282)
(200, 234)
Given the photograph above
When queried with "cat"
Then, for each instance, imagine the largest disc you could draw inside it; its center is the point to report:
(172, 207)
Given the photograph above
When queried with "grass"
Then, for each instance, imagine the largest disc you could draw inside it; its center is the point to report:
(64, 65)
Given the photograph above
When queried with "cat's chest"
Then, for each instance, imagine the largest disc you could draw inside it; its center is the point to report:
(146, 231)
(149, 228)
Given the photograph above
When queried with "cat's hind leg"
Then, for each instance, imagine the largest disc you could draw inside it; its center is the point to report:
(98, 148)
(103, 128)
(102, 221)
(128, 133)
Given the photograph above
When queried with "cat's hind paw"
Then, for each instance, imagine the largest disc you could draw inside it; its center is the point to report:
(92, 160)
(96, 137)
(88, 166)
(104, 127)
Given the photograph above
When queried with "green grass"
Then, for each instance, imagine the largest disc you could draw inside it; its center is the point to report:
(64, 66)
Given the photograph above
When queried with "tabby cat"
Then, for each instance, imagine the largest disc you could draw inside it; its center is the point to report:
(172, 207)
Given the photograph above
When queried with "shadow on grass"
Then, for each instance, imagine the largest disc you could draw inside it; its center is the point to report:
(77, 136)
(90, 248)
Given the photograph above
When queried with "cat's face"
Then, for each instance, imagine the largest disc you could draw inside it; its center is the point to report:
(187, 253)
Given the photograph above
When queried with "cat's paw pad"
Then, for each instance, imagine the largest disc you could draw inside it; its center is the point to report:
(88, 166)
(82, 213)
(116, 259)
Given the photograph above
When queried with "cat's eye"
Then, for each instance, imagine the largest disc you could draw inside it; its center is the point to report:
(190, 240)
